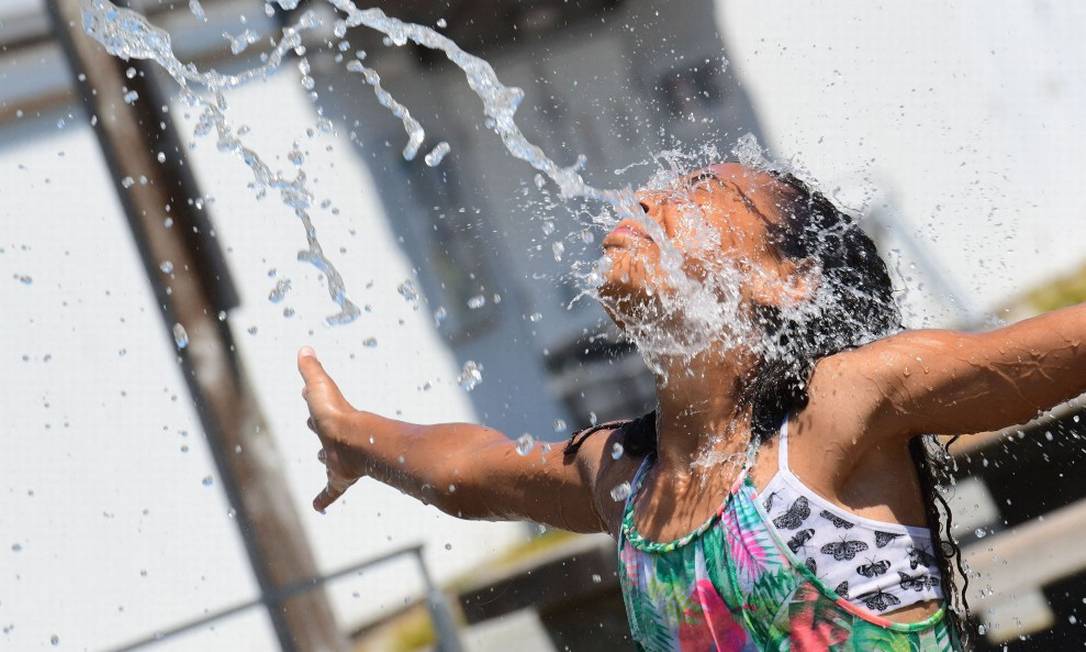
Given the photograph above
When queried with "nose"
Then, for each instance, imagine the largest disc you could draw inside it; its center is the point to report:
(653, 204)
(649, 200)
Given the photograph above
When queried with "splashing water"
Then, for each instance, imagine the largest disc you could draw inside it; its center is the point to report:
(524, 444)
(128, 35)
(180, 336)
(621, 492)
(690, 316)
(470, 376)
(437, 154)
(279, 292)
(415, 132)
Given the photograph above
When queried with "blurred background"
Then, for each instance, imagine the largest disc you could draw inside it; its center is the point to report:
(156, 481)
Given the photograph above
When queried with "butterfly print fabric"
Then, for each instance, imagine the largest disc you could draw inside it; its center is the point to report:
(795, 516)
(878, 566)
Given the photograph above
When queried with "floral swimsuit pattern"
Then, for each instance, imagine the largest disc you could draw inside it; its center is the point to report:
(732, 584)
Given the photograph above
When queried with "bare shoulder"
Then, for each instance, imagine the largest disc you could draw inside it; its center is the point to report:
(856, 396)
(870, 376)
(596, 463)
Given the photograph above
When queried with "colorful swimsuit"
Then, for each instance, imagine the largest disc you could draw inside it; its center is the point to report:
(733, 584)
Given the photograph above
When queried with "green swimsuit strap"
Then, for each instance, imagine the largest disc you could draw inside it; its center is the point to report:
(629, 529)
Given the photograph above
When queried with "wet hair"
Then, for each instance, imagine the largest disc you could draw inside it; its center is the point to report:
(856, 305)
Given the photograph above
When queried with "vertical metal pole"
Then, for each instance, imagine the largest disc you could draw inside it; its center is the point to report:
(448, 636)
(192, 291)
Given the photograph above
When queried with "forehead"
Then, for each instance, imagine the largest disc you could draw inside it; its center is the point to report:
(758, 193)
(751, 182)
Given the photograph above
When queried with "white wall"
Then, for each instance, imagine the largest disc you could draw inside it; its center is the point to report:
(971, 115)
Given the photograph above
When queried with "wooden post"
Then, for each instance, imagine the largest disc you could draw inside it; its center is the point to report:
(193, 291)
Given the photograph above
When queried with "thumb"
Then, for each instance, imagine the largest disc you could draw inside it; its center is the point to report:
(317, 380)
(309, 366)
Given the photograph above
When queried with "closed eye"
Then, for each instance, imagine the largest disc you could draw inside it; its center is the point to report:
(696, 180)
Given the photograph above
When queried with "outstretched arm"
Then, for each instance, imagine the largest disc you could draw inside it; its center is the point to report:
(949, 382)
(462, 469)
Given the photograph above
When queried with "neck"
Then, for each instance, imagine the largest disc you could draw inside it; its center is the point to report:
(698, 416)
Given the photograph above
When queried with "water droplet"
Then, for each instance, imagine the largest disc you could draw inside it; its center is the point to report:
(197, 10)
(207, 481)
(558, 249)
(437, 154)
(448, 546)
(279, 292)
(476, 302)
(370, 342)
(25, 279)
(161, 157)
(980, 533)
(130, 97)
(252, 330)
(535, 316)
(439, 316)
(54, 640)
(166, 267)
(559, 425)
(749, 152)
(130, 73)
(410, 294)
(548, 227)
(621, 492)
(16, 547)
(525, 443)
(128, 182)
(616, 451)
(596, 579)
(180, 336)
(470, 376)
(441, 23)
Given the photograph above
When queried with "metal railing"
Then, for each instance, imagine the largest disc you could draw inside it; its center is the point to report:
(445, 627)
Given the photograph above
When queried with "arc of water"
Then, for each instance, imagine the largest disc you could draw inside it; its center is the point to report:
(128, 35)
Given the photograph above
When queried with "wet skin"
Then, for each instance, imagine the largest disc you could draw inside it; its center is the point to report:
(849, 444)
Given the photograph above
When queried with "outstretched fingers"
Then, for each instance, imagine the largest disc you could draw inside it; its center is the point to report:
(337, 485)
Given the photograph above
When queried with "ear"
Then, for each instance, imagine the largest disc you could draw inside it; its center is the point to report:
(793, 281)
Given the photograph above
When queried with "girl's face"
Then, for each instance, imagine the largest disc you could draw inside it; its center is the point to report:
(716, 217)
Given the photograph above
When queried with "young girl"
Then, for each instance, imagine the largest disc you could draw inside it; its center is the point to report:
(781, 496)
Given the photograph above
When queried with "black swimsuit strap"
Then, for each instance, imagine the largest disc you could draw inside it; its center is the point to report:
(644, 425)
(579, 437)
